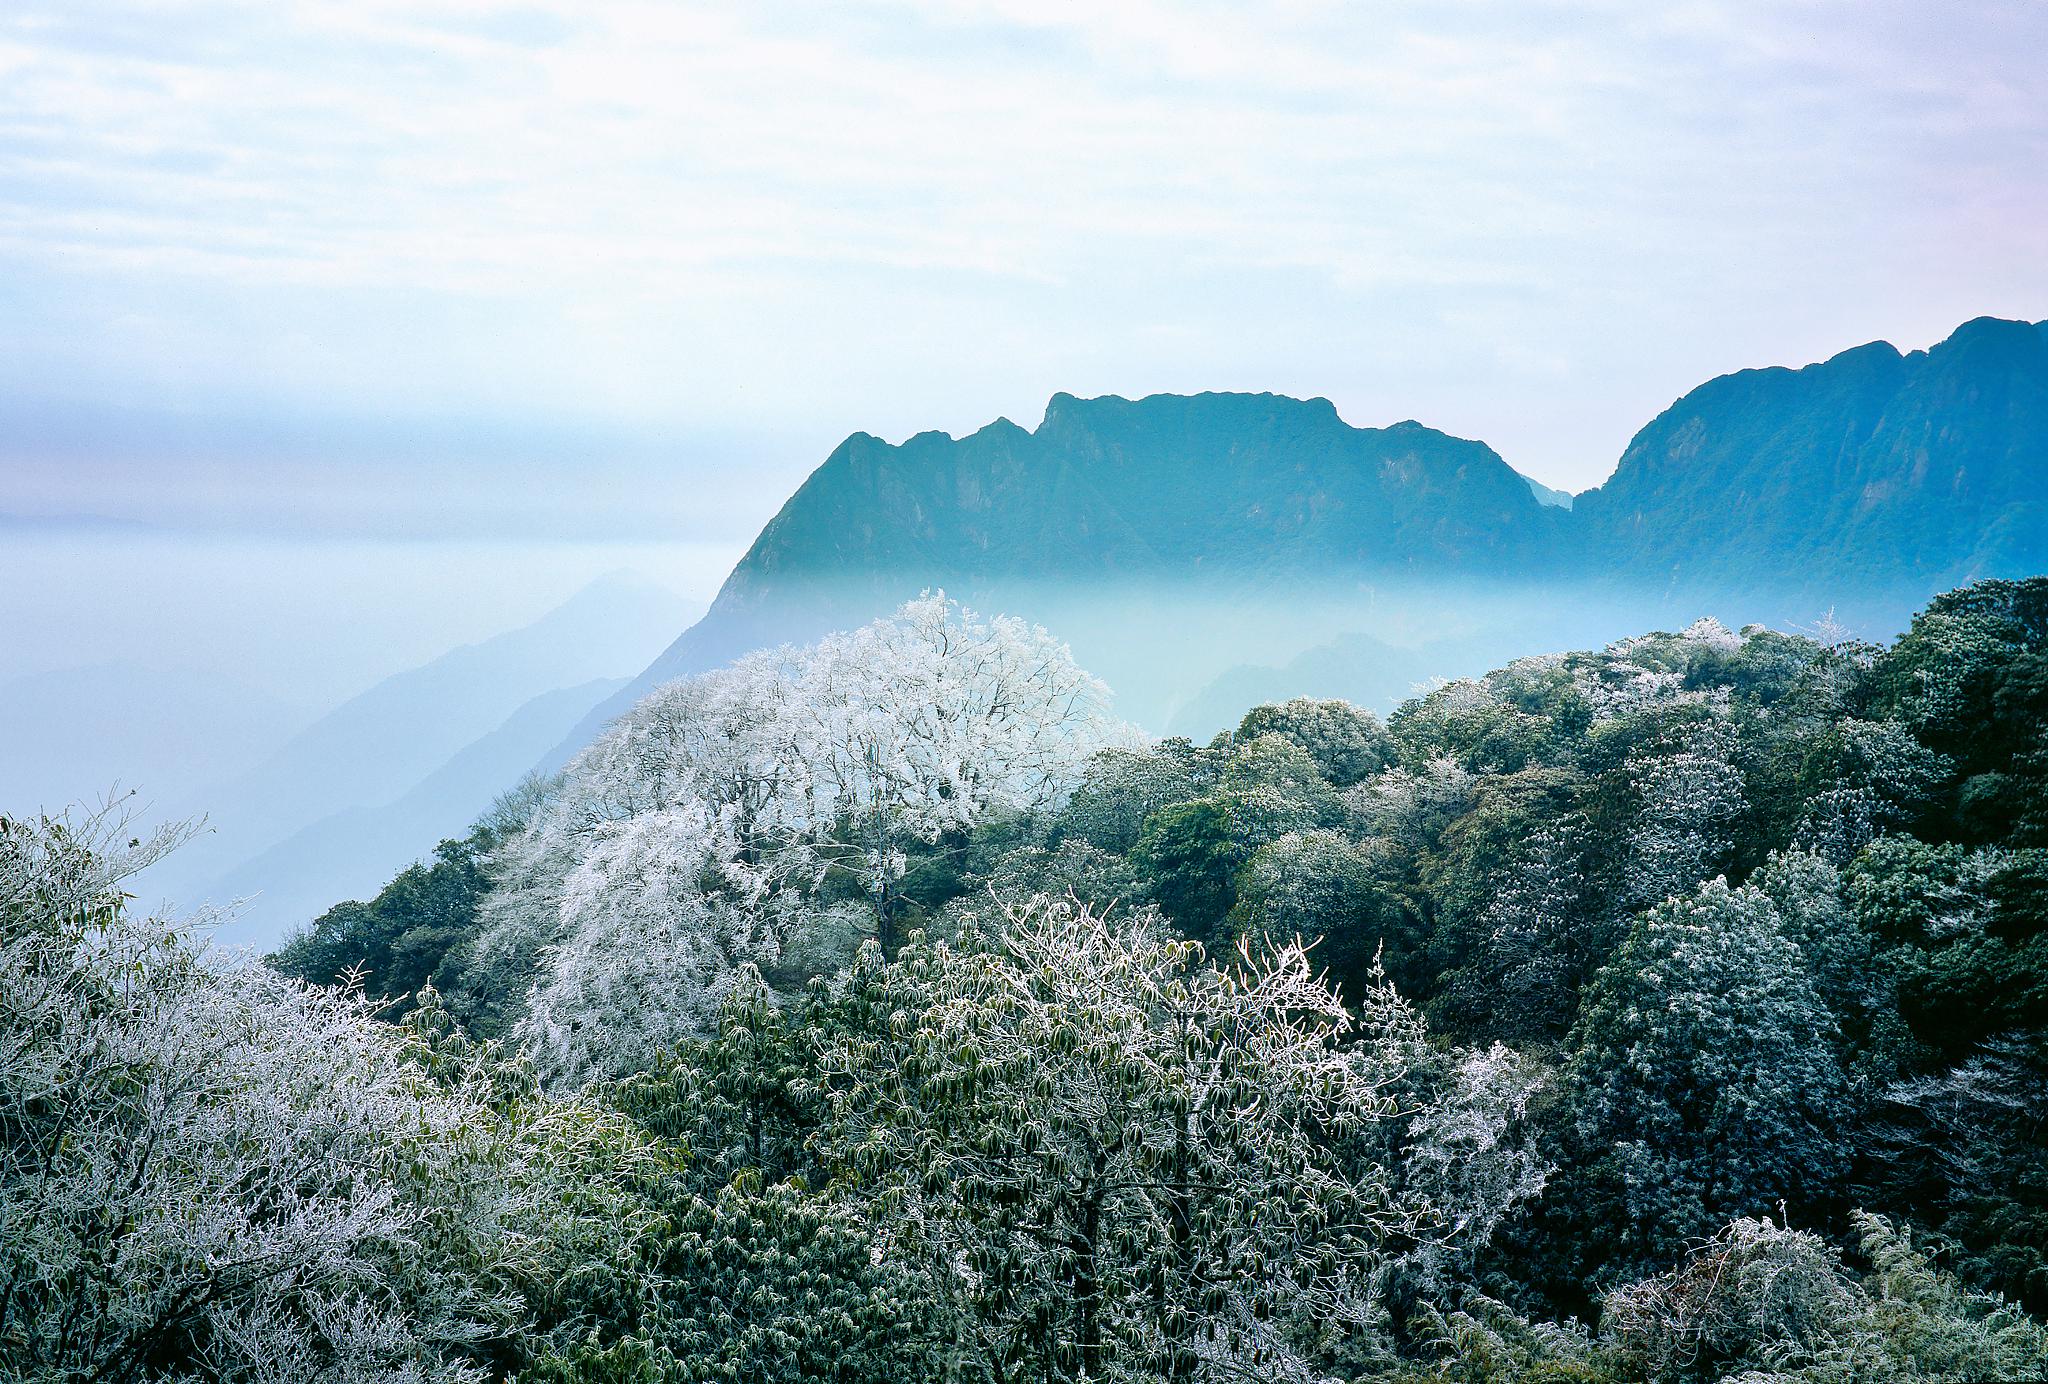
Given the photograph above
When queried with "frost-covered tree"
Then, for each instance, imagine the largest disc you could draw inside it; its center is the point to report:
(1132, 1165)
(1471, 724)
(1970, 1144)
(1704, 1074)
(655, 938)
(1761, 1303)
(1284, 779)
(758, 1285)
(912, 728)
(1409, 808)
(1806, 890)
(1465, 1157)
(1530, 937)
(703, 829)
(1688, 795)
(1963, 936)
(209, 1171)
(1884, 780)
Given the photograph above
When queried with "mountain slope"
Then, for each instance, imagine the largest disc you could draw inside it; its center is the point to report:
(352, 852)
(375, 746)
(1545, 495)
(1248, 491)
(1872, 468)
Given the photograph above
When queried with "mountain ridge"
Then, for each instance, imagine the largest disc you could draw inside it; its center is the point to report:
(1165, 487)
(1830, 464)
(1770, 493)
(351, 851)
(376, 745)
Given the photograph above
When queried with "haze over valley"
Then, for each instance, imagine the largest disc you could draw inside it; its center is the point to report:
(1144, 693)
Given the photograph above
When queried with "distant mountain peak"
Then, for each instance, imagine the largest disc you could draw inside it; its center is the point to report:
(1996, 338)
(1917, 470)
(1870, 469)
(1547, 495)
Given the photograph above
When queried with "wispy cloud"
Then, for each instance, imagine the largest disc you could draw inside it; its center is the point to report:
(1531, 223)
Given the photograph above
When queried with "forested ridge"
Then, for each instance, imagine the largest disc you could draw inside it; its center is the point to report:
(886, 1009)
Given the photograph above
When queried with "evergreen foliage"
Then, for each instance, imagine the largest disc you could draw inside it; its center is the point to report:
(884, 1011)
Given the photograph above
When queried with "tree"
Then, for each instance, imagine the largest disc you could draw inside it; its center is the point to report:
(1410, 809)
(1323, 888)
(1966, 1148)
(213, 1172)
(1191, 853)
(1688, 797)
(656, 936)
(912, 728)
(1075, 869)
(1704, 1076)
(757, 1285)
(1806, 891)
(1470, 724)
(1348, 745)
(1121, 788)
(1519, 931)
(1131, 1164)
(1963, 936)
(1884, 779)
(413, 933)
(1772, 1305)
(1276, 772)
(706, 825)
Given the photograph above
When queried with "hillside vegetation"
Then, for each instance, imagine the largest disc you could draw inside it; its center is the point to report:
(885, 1009)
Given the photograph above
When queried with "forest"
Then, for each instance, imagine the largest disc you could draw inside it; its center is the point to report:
(887, 1010)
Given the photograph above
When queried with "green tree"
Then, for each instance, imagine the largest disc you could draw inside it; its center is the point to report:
(1324, 888)
(1190, 854)
(1122, 788)
(1704, 1078)
(1347, 744)
(413, 933)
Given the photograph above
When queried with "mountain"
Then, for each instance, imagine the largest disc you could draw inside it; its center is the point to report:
(1557, 499)
(1123, 504)
(1916, 471)
(1239, 482)
(377, 745)
(351, 853)
(1179, 540)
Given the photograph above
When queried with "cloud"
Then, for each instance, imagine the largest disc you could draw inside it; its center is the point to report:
(1535, 224)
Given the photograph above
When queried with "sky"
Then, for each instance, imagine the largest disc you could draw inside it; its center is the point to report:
(563, 278)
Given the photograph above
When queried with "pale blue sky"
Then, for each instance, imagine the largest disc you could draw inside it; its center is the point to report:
(590, 269)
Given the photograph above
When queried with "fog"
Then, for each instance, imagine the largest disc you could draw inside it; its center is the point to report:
(312, 621)
(239, 641)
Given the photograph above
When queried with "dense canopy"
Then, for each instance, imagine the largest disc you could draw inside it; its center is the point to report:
(885, 1010)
